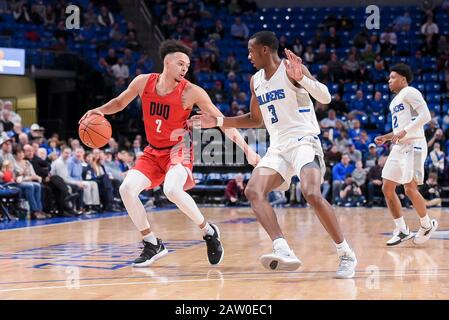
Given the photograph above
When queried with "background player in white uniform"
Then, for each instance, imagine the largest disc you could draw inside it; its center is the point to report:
(280, 99)
(405, 164)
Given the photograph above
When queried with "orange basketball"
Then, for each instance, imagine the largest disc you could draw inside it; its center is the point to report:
(95, 131)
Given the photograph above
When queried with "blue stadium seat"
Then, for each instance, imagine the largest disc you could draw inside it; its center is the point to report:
(433, 87)
(433, 97)
(367, 87)
(350, 87)
(382, 87)
(430, 77)
(420, 86)
(433, 106)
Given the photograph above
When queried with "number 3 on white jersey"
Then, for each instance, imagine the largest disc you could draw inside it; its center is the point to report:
(159, 124)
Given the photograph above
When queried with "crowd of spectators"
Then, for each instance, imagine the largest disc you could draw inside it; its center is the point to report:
(59, 178)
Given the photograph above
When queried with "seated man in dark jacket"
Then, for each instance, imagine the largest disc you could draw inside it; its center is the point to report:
(54, 185)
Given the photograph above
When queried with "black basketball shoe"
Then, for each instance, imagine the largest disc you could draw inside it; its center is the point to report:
(150, 253)
(215, 251)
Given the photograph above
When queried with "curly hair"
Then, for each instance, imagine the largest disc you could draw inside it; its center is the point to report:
(172, 46)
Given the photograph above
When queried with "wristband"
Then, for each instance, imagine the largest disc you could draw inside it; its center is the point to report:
(220, 121)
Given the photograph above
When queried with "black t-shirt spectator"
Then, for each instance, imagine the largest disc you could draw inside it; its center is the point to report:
(7, 125)
(41, 167)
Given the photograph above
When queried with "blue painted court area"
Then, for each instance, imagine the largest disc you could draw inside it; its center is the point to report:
(8, 225)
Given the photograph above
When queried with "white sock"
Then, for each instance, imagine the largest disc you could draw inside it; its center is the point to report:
(280, 243)
(208, 230)
(151, 238)
(425, 222)
(400, 224)
(343, 248)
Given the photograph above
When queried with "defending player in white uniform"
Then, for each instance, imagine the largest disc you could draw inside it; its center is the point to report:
(405, 164)
(280, 100)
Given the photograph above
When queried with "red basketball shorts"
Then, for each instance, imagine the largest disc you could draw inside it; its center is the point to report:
(154, 164)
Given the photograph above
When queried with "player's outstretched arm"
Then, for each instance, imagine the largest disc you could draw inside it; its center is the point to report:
(121, 102)
(253, 119)
(298, 72)
(203, 101)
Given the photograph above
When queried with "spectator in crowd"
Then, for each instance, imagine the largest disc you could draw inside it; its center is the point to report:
(231, 64)
(8, 125)
(332, 156)
(403, 22)
(352, 65)
(283, 44)
(105, 18)
(429, 28)
(14, 117)
(111, 59)
(354, 154)
(437, 159)
(59, 167)
(359, 103)
(368, 55)
(438, 137)
(356, 130)
(218, 30)
(297, 47)
(309, 55)
(120, 70)
(36, 133)
(330, 121)
(350, 194)
(322, 56)
(50, 15)
(58, 188)
(359, 175)
(30, 184)
(339, 173)
(374, 181)
(431, 191)
(6, 148)
(332, 40)
(371, 157)
(377, 106)
(234, 8)
(388, 42)
(21, 13)
(101, 177)
(234, 192)
(239, 29)
(343, 141)
(91, 196)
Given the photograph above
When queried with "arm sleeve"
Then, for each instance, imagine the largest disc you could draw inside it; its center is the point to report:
(417, 102)
(316, 89)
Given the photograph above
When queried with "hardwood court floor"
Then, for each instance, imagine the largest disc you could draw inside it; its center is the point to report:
(91, 259)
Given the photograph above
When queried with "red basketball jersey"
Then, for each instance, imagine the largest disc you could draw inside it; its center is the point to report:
(164, 117)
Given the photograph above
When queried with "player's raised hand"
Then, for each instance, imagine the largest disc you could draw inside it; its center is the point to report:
(293, 65)
(205, 120)
(89, 113)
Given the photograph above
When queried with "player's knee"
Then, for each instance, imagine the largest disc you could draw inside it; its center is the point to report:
(386, 190)
(409, 191)
(253, 193)
(170, 191)
(312, 196)
(127, 191)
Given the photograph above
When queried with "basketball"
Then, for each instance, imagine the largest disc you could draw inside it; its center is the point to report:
(95, 131)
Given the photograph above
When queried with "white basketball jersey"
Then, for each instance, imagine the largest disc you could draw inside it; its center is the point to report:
(287, 111)
(403, 112)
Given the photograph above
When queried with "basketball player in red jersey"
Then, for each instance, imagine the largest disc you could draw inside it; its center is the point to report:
(167, 100)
